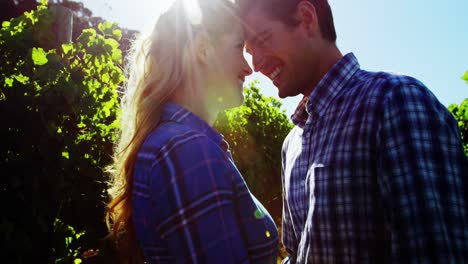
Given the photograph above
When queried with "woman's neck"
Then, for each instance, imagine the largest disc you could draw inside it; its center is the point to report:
(195, 103)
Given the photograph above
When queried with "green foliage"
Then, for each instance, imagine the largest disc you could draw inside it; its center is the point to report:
(39, 56)
(461, 115)
(59, 109)
(255, 132)
(465, 77)
(67, 242)
(460, 112)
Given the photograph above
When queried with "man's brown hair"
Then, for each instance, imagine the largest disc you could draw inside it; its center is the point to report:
(284, 11)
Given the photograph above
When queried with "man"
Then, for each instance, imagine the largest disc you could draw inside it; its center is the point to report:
(374, 170)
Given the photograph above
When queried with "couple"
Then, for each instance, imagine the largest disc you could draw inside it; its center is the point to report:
(373, 171)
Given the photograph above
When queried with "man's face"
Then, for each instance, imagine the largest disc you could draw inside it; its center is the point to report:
(279, 52)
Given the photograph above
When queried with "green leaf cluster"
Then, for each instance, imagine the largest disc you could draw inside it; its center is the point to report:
(465, 77)
(255, 132)
(460, 112)
(58, 108)
(67, 240)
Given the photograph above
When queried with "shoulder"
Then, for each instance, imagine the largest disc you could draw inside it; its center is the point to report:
(383, 82)
(386, 89)
(406, 92)
(387, 83)
(176, 155)
(170, 132)
(177, 142)
(407, 103)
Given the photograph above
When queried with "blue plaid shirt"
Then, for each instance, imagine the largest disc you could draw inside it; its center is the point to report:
(374, 172)
(191, 205)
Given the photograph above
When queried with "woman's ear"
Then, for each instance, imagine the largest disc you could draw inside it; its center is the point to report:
(307, 15)
(201, 47)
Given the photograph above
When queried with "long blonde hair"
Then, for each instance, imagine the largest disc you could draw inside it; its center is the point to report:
(156, 67)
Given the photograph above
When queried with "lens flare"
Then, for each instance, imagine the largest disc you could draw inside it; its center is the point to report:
(192, 9)
(259, 214)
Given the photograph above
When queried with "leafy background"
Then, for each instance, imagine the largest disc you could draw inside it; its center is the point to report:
(59, 108)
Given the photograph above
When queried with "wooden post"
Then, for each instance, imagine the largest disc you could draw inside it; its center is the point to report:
(63, 24)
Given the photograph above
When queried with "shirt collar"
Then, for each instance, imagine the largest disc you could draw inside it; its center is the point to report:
(328, 87)
(175, 113)
(300, 115)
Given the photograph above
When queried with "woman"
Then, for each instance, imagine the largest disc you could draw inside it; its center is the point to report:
(177, 196)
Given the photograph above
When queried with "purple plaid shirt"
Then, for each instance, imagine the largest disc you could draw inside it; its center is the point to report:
(374, 172)
(191, 205)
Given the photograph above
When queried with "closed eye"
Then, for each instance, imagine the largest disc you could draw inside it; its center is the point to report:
(264, 40)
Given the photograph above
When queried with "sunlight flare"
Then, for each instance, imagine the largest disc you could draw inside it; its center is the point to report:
(192, 9)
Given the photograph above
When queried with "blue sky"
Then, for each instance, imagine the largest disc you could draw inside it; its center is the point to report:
(425, 39)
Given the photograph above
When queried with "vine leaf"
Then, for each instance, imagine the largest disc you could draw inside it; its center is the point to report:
(39, 56)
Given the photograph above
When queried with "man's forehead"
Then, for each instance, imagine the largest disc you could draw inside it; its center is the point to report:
(245, 5)
(254, 22)
(253, 11)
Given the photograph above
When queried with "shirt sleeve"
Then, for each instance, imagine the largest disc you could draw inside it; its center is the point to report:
(423, 173)
(189, 216)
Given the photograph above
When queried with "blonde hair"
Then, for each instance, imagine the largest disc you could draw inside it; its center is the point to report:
(156, 68)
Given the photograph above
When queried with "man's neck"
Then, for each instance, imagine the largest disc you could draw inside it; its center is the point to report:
(331, 55)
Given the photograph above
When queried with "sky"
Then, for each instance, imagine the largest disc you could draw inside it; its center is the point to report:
(426, 39)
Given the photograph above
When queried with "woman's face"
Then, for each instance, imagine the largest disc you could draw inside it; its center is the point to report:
(228, 69)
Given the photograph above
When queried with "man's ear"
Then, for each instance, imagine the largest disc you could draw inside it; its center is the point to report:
(201, 47)
(307, 15)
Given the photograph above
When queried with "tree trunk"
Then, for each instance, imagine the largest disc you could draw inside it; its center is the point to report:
(63, 24)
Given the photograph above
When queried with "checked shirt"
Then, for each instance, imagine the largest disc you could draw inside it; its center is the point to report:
(191, 205)
(374, 172)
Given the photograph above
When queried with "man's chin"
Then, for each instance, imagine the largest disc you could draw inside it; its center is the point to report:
(287, 91)
(282, 91)
(282, 94)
